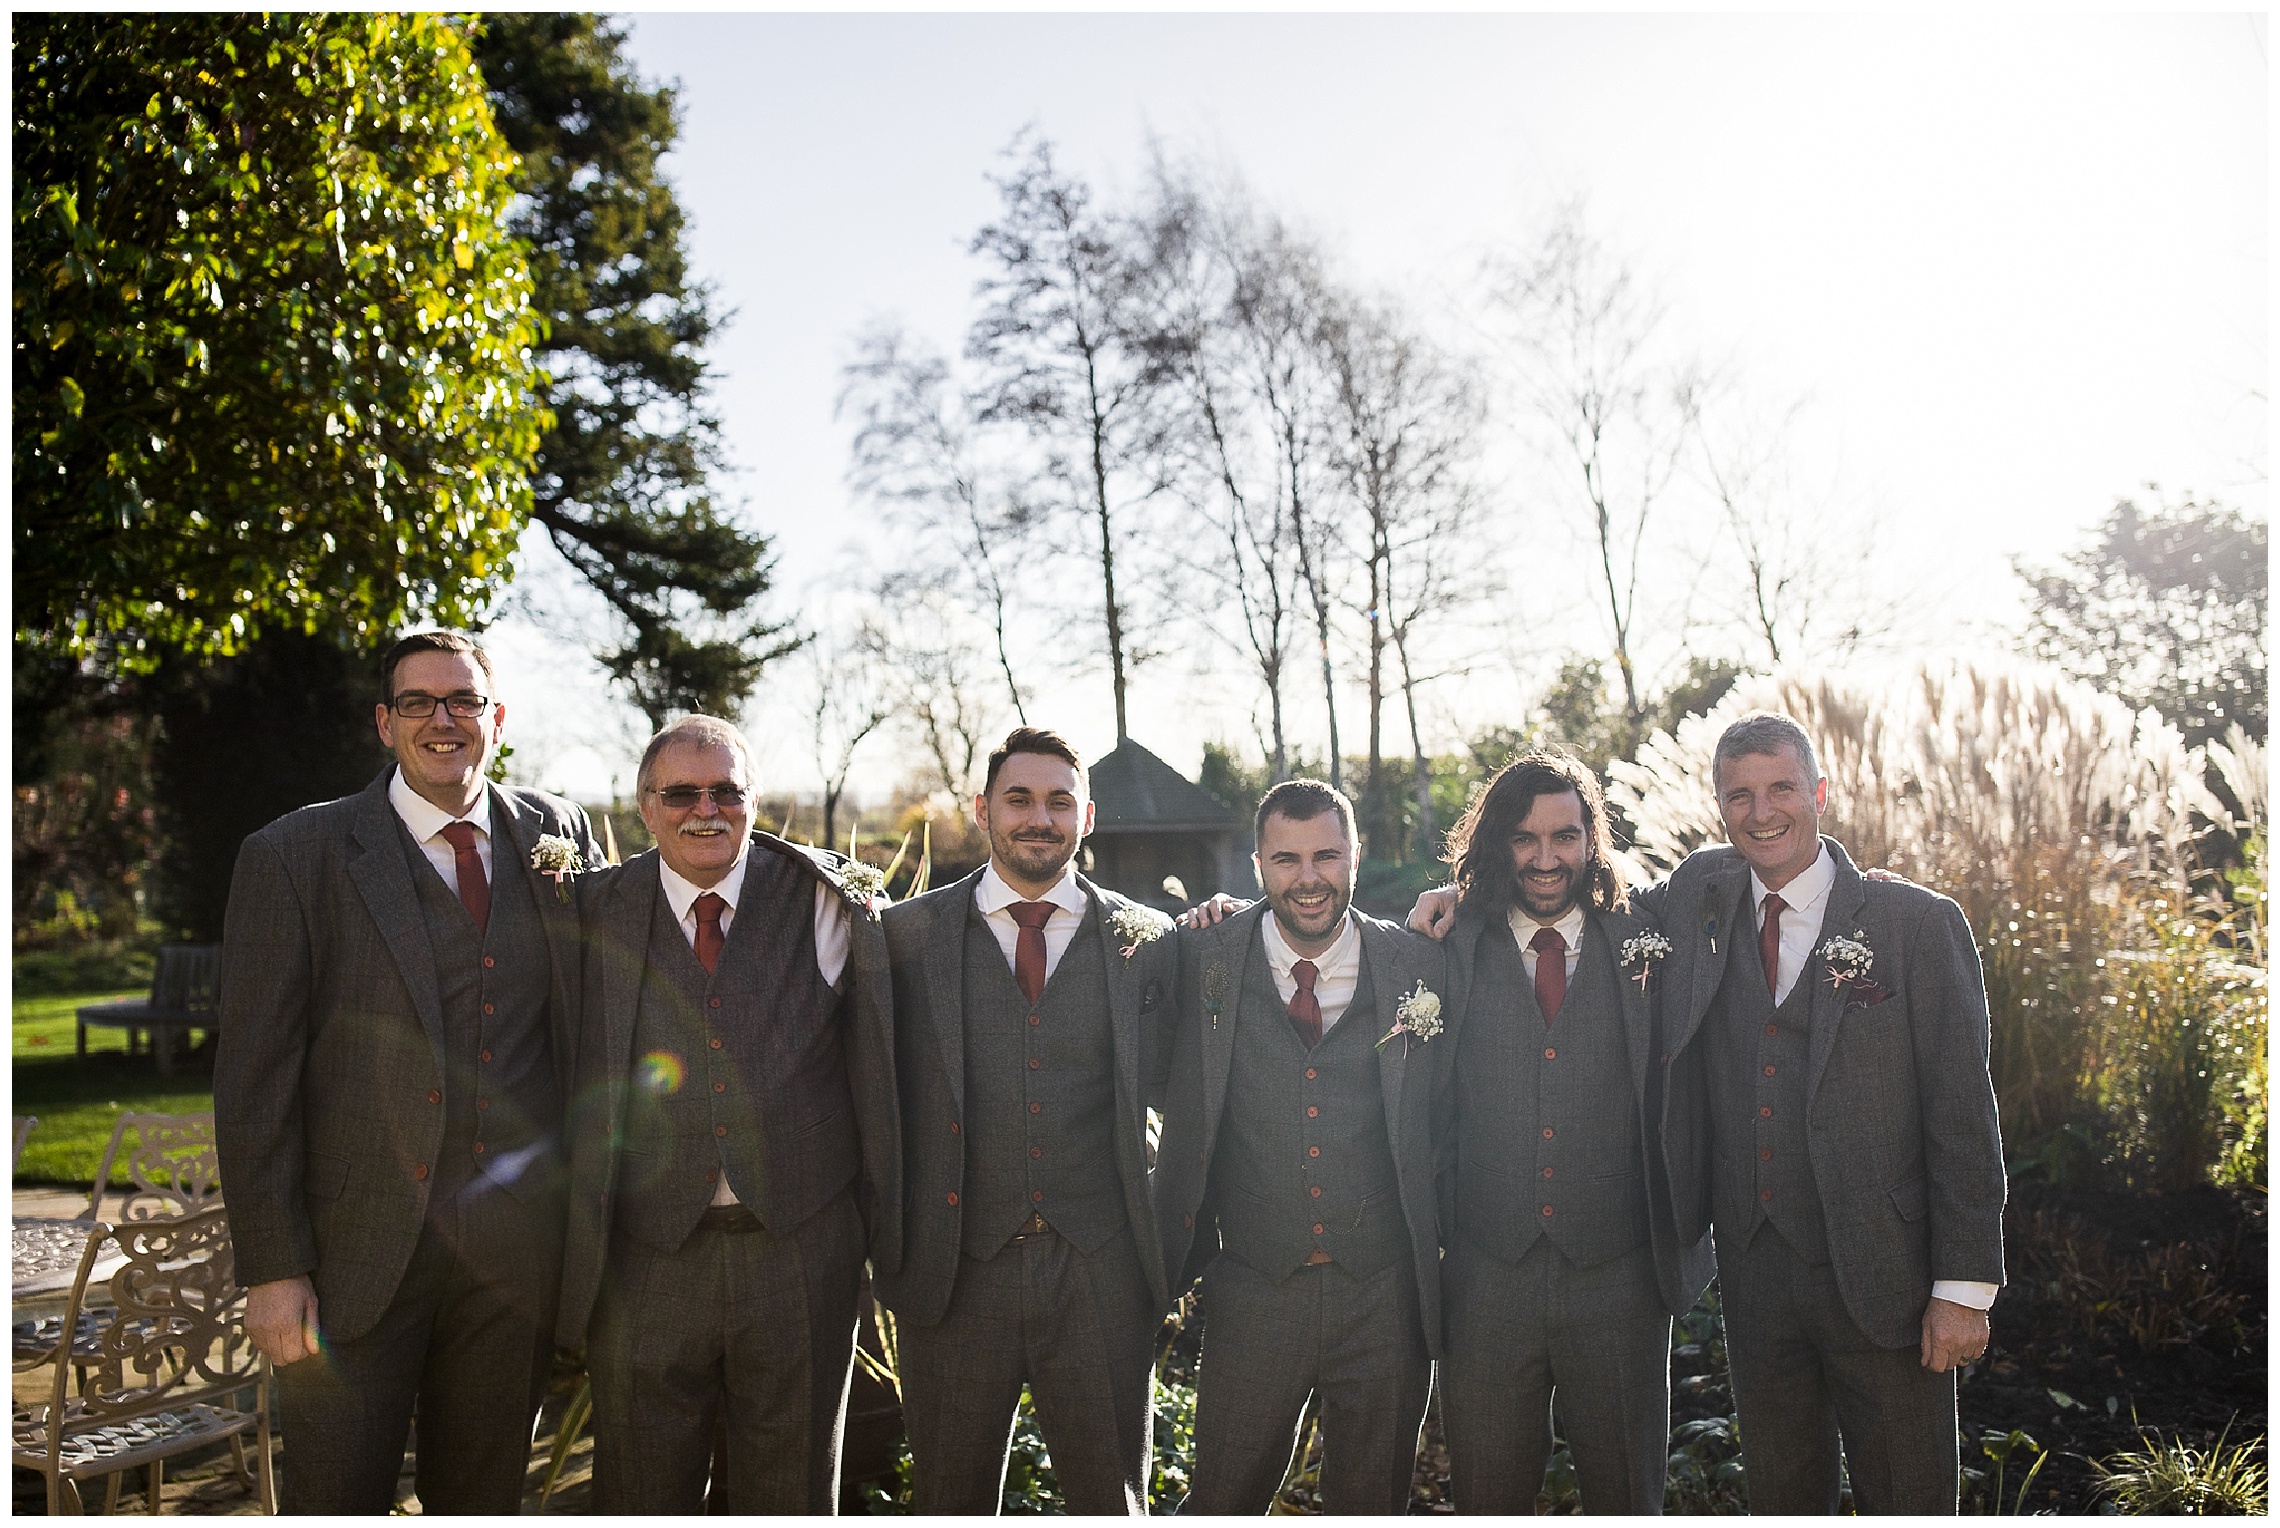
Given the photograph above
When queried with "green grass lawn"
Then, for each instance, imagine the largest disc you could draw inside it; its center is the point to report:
(77, 1102)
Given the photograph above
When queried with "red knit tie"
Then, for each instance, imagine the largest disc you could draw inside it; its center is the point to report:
(1305, 1007)
(474, 887)
(1769, 943)
(709, 937)
(1029, 947)
(1551, 972)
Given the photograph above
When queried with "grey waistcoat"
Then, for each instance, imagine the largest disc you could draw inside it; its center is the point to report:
(502, 1110)
(740, 1073)
(1548, 1134)
(1040, 1096)
(1302, 1161)
(1762, 1169)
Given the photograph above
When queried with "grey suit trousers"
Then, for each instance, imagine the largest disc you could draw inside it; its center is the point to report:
(1268, 1346)
(759, 1324)
(1804, 1373)
(469, 1338)
(1522, 1334)
(1081, 1331)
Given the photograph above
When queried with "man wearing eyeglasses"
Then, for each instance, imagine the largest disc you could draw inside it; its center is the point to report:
(734, 1147)
(398, 992)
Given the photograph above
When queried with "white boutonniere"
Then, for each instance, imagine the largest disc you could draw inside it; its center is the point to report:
(1641, 952)
(862, 885)
(556, 856)
(1418, 1015)
(1134, 926)
(1847, 958)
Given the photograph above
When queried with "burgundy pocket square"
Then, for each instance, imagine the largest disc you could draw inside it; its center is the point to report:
(1865, 995)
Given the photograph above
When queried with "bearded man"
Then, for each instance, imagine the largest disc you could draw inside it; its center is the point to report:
(1024, 995)
(1297, 1173)
(1563, 1269)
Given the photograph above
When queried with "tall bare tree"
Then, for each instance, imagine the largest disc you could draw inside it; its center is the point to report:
(1056, 342)
(1584, 339)
(848, 703)
(915, 453)
(922, 640)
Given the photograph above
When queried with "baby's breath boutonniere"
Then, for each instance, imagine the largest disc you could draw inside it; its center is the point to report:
(1847, 958)
(862, 885)
(1134, 926)
(1640, 954)
(556, 856)
(1418, 1015)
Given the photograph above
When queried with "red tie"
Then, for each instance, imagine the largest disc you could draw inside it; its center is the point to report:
(1305, 1007)
(474, 889)
(709, 937)
(1029, 947)
(1769, 943)
(1551, 972)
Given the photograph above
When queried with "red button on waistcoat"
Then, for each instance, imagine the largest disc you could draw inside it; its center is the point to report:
(487, 1008)
(720, 1087)
(488, 962)
(1311, 1111)
(1318, 1228)
(1547, 1172)
(1547, 1132)
(1188, 1221)
(1315, 1192)
(482, 1103)
(1765, 1193)
(952, 1197)
(1773, 1029)
(1036, 1196)
(1765, 1156)
(435, 1095)
(715, 1002)
(712, 1175)
(1550, 1054)
(1314, 1151)
(1033, 1018)
(486, 1058)
(953, 1127)
(1310, 1074)
(1769, 1071)
(1035, 1152)
(1037, 1108)
(419, 1173)
(1764, 1112)
(478, 1148)
(1034, 1063)
(720, 1130)
(1547, 1209)
(715, 1042)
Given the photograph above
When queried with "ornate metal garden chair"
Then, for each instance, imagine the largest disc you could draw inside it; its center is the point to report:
(172, 1368)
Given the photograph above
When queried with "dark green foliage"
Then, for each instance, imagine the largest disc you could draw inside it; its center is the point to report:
(285, 723)
(272, 364)
(84, 829)
(2164, 608)
(620, 478)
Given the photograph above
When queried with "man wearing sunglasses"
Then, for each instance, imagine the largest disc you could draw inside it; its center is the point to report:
(734, 1147)
(398, 991)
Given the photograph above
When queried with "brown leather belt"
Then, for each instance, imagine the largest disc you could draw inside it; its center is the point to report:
(1318, 1257)
(729, 1217)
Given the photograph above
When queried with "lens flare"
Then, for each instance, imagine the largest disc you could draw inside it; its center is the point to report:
(662, 1072)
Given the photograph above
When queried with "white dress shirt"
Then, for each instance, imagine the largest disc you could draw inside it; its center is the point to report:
(427, 821)
(1569, 924)
(1805, 905)
(833, 937)
(1805, 901)
(993, 898)
(1338, 970)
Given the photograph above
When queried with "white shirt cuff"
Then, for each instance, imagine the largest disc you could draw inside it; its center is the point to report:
(1967, 1292)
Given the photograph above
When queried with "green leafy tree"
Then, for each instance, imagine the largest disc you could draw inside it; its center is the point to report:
(272, 331)
(2164, 608)
(621, 473)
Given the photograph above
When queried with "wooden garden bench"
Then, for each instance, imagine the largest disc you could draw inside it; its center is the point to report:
(181, 999)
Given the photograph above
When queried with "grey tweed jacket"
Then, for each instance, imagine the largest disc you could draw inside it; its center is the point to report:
(1213, 967)
(926, 946)
(619, 904)
(332, 1039)
(1901, 1120)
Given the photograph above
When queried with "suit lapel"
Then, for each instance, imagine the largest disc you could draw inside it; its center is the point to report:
(384, 880)
(1637, 1007)
(1124, 994)
(946, 982)
(1237, 944)
(1825, 1013)
(624, 924)
(557, 917)
(1719, 919)
(1380, 959)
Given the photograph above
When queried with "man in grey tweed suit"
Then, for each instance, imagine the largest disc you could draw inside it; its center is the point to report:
(1296, 1173)
(398, 992)
(734, 1136)
(1030, 1252)
(1830, 1110)
(1563, 1268)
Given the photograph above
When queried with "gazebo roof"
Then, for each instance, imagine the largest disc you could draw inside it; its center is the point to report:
(1133, 791)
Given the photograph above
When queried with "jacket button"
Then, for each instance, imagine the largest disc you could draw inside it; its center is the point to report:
(487, 1008)
(715, 1042)
(419, 1173)
(1547, 1172)
(1310, 1074)
(1035, 1152)
(720, 1130)
(486, 1058)
(435, 1095)
(1765, 1193)
(1765, 1111)
(1318, 1228)
(1550, 1054)
(1034, 1109)
(478, 1148)
(1036, 1196)
(1765, 1155)
(1311, 1111)
(1769, 1071)
(715, 1002)
(488, 962)
(1034, 1063)
(1314, 1151)
(1547, 1209)
(1547, 1132)
(720, 1087)
(952, 1197)
(1315, 1192)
